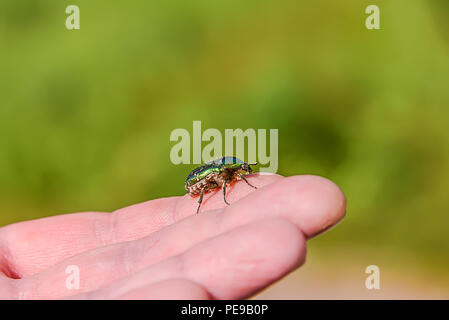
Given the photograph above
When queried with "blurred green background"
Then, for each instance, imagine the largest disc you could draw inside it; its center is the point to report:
(86, 115)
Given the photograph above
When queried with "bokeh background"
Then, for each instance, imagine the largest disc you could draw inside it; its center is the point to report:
(86, 115)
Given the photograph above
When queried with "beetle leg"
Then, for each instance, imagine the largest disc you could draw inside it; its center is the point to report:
(200, 200)
(224, 193)
(240, 175)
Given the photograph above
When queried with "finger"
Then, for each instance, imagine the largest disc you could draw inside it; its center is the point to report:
(171, 289)
(32, 246)
(316, 198)
(232, 265)
(312, 203)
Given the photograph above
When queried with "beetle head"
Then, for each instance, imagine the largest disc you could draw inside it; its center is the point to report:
(247, 167)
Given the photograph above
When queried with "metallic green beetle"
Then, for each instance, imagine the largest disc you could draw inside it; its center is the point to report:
(216, 173)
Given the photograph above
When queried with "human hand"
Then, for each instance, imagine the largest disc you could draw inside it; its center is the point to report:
(161, 249)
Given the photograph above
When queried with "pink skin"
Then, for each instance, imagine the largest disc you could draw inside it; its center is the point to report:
(161, 249)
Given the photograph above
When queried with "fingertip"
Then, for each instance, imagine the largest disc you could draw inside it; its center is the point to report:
(312, 203)
(287, 242)
(269, 249)
(323, 203)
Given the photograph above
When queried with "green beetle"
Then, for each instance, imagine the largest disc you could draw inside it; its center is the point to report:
(216, 173)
